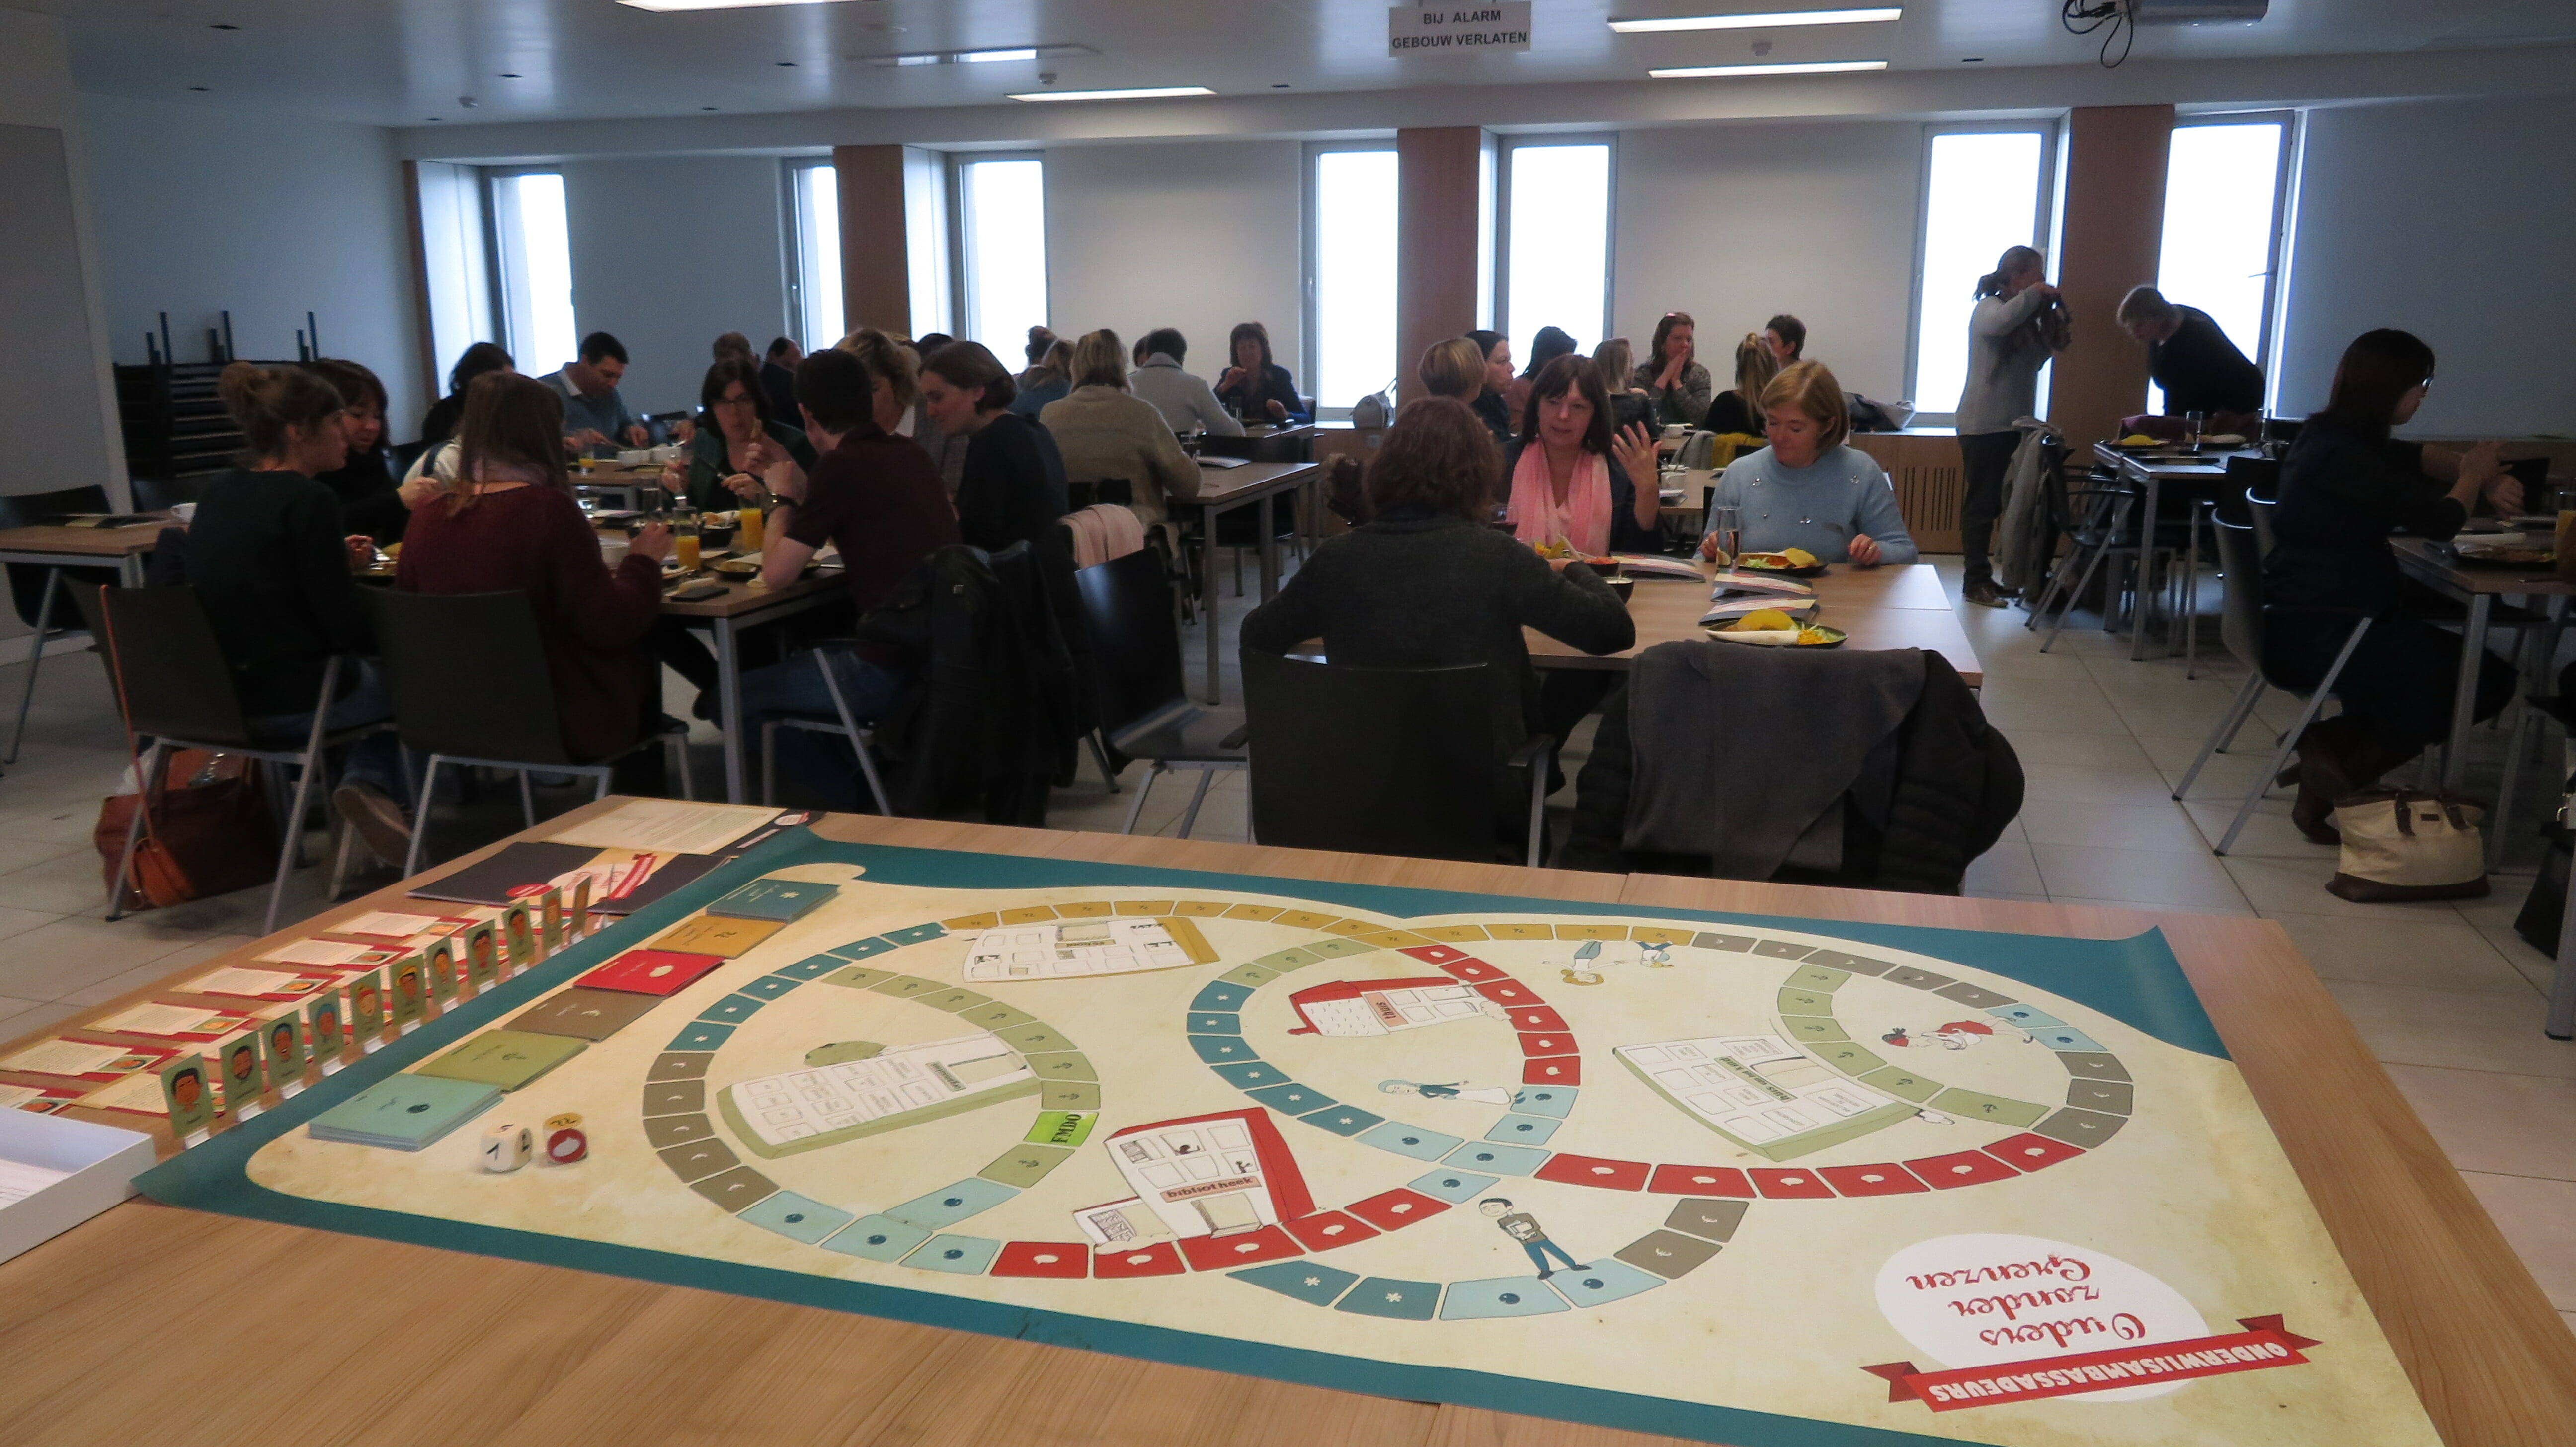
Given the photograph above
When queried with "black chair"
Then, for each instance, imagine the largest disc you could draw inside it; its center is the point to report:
(862, 737)
(34, 587)
(152, 494)
(1379, 760)
(2096, 519)
(468, 677)
(1144, 706)
(173, 687)
(404, 455)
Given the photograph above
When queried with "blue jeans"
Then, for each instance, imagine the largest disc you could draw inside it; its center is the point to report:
(809, 764)
(374, 761)
(1544, 1245)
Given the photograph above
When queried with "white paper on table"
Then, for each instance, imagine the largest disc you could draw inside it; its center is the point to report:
(321, 952)
(13, 1096)
(65, 1057)
(141, 1093)
(18, 1180)
(237, 980)
(667, 825)
(163, 1020)
(389, 925)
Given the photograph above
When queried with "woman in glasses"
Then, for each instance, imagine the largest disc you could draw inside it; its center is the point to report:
(733, 409)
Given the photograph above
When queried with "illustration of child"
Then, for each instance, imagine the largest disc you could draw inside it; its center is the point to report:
(1582, 973)
(1523, 1227)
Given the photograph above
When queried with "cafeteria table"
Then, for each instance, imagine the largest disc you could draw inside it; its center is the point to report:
(746, 604)
(1221, 491)
(2200, 475)
(2436, 567)
(55, 549)
(1880, 608)
(112, 1328)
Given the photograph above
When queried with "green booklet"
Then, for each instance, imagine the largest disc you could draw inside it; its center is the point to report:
(403, 1112)
(506, 1058)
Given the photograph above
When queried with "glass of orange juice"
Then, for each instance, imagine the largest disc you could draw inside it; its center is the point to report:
(747, 527)
(684, 540)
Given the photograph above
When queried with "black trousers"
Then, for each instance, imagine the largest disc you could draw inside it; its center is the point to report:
(1986, 459)
(2398, 683)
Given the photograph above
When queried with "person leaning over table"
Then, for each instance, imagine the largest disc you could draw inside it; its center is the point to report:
(594, 414)
(1631, 405)
(1786, 336)
(1809, 489)
(1257, 378)
(1671, 373)
(508, 523)
(877, 498)
(2188, 355)
(370, 501)
(1426, 584)
(1105, 433)
(2346, 485)
(440, 422)
(2019, 322)
(1739, 409)
(733, 411)
(1185, 399)
(270, 557)
(1047, 380)
(1013, 487)
(1492, 406)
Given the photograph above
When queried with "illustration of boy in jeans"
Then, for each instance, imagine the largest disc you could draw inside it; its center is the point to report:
(1523, 1227)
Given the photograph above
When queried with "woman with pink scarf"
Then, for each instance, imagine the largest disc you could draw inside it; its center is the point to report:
(1571, 478)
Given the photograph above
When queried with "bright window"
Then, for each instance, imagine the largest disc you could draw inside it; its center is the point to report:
(536, 268)
(2222, 207)
(1353, 240)
(814, 194)
(1556, 241)
(1983, 192)
(1001, 205)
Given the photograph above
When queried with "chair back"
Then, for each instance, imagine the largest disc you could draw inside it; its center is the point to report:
(2240, 564)
(467, 675)
(1127, 603)
(168, 669)
(1370, 760)
(2259, 508)
(36, 509)
(154, 494)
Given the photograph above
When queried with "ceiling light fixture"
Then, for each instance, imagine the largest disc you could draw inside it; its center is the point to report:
(1757, 22)
(716, 4)
(1795, 67)
(1164, 92)
(979, 57)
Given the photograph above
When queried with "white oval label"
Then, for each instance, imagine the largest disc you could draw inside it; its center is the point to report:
(1978, 1301)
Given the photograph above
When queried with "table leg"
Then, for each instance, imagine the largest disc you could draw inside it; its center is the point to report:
(2561, 1021)
(35, 659)
(2146, 573)
(1208, 599)
(129, 570)
(2464, 693)
(729, 706)
(1269, 549)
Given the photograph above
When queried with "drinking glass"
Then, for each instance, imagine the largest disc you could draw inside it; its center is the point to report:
(2197, 423)
(1726, 523)
(684, 540)
(747, 526)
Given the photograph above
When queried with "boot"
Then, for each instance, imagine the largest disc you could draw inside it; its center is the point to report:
(2333, 770)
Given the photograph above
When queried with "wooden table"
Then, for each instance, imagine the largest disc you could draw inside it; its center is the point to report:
(2434, 565)
(1294, 442)
(55, 549)
(1221, 491)
(2200, 474)
(111, 1328)
(1880, 608)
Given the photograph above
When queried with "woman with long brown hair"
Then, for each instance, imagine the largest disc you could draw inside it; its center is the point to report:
(1571, 478)
(1739, 409)
(507, 523)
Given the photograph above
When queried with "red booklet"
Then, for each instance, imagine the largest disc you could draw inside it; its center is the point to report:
(650, 972)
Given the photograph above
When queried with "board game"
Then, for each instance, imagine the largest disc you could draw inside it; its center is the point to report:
(1762, 1181)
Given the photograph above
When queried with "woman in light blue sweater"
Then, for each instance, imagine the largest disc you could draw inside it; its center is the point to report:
(1808, 489)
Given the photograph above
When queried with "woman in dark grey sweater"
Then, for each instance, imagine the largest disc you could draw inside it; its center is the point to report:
(1427, 584)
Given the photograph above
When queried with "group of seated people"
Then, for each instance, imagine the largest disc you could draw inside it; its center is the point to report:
(1669, 388)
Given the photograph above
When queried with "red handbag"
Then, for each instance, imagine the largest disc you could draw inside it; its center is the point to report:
(207, 830)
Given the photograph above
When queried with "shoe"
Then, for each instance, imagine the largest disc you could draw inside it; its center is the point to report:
(1983, 593)
(1544, 1275)
(2313, 813)
(378, 820)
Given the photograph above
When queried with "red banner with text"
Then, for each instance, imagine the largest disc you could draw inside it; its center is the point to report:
(2265, 1342)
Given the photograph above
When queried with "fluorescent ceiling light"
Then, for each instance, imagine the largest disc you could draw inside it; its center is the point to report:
(1800, 67)
(972, 57)
(716, 4)
(1758, 22)
(1146, 93)
(975, 57)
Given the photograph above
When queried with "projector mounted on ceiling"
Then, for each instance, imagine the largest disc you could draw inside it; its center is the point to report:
(2118, 20)
(2196, 12)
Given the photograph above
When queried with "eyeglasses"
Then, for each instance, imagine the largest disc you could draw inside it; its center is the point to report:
(734, 402)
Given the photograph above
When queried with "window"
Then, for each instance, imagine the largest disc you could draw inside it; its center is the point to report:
(455, 259)
(1002, 259)
(1983, 192)
(1556, 241)
(535, 245)
(814, 207)
(2222, 214)
(1351, 256)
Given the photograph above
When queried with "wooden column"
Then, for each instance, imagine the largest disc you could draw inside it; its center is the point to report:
(1439, 214)
(876, 269)
(2114, 227)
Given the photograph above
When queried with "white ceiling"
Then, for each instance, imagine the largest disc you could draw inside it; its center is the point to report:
(404, 62)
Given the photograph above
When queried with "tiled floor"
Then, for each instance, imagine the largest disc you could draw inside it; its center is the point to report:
(2445, 994)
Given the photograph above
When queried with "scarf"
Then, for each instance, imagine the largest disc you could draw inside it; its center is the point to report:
(1584, 521)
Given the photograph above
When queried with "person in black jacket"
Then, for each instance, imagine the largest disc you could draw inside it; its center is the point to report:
(1256, 379)
(2187, 354)
(370, 502)
(1492, 406)
(2345, 487)
(270, 559)
(448, 412)
(1425, 584)
(778, 377)
(1013, 487)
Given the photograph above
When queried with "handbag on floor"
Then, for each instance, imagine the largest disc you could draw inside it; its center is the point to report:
(206, 834)
(2405, 844)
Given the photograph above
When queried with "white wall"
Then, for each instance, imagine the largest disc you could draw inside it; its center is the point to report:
(199, 210)
(2455, 220)
(1197, 236)
(668, 255)
(1735, 223)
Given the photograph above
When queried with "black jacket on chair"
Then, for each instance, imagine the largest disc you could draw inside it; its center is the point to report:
(1957, 784)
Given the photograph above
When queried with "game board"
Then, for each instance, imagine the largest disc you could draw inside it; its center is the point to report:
(1755, 1180)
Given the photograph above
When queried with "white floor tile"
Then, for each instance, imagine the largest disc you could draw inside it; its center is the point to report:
(2538, 1219)
(2298, 886)
(2425, 951)
(2162, 827)
(2137, 876)
(2449, 1028)
(2095, 784)
(2484, 1121)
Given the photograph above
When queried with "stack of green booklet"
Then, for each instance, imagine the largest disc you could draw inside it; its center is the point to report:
(403, 1113)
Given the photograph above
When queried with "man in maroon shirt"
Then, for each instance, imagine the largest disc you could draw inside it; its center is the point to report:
(876, 496)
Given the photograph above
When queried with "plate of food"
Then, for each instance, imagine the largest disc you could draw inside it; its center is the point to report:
(1787, 563)
(1773, 629)
(2516, 554)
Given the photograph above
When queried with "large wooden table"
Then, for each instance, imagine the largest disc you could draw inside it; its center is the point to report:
(1879, 607)
(151, 1324)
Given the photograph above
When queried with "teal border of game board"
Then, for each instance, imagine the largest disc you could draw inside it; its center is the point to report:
(2136, 980)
